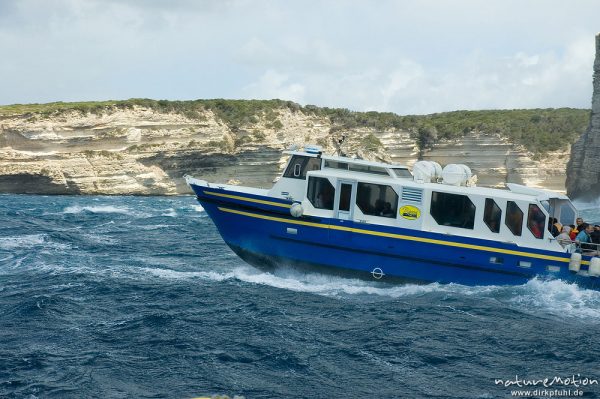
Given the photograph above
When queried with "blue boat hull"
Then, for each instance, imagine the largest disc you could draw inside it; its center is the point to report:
(263, 233)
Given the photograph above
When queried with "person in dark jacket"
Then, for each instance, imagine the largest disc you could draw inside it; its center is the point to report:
(595, 236)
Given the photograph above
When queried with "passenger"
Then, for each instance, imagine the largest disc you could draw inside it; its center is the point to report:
(573, 232)
(596, 234)
(558, 225)
(536, 223)
(515, 220)
(579, 223)
(554, 227)
(584, 240)
(328, 199)
(563, 238)
(387, 211)
(379, 206)
(320, 203)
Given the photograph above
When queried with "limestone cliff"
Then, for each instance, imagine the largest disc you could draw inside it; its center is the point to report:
(583, 171)
(146, 151)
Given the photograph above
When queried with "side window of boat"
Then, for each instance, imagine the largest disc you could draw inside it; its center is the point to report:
(377, 200)
(320, 193)
(536, 221)
(514, 218)
(299, 165)
(492, 214)
(452, 210)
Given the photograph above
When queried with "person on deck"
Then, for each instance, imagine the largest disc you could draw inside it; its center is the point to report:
(596, 234)
(563, 238)
(573, 232)
(584, 240)
(554, 227)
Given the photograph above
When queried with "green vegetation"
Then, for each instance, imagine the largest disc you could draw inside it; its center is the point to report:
(371, 143)
(539, 130)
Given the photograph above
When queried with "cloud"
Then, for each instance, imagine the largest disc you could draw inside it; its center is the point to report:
(405, 57)
(273, 84)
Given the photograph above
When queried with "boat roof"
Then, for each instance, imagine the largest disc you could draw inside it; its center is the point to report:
(357, 161)
(512, 192)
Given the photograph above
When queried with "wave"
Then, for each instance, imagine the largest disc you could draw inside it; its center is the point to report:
(553, 297)
(170, 213)
(179, 275)
(29, 241)
(97, 209)
(559, 298)
(580, 205)
(155, 227)
(316, 283)
(21, 241)
(197, 208)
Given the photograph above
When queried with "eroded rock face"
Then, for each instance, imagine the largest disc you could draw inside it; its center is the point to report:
(583, 171)
(141, 151)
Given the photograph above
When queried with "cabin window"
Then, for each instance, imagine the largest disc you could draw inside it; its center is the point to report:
(377, 200)
(299, 165)
(492, 215)
(536, 221)
(357, 167)
(336, 165)
(402, 173)
(452, 210)
(320, 193)
(567, 214)
(514, 218)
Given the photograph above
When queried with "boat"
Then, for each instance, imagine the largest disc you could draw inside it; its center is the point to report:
(385, 222)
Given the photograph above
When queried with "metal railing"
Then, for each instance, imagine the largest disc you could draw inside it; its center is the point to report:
(588, 249)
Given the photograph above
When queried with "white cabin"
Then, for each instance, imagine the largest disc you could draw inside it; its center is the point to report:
(388, 195)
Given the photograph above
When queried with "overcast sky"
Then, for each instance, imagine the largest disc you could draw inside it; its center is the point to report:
(401, 56)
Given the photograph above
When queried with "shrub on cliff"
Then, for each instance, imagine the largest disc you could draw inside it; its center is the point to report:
(539, 130)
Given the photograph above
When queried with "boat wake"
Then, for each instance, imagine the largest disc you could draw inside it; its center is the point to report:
(537, 297)
(556, 297)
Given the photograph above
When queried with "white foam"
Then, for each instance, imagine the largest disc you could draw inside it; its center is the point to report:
(101, 239)
(197, 208)
(312, 282)
(155, 227)
(97, 209)
(30, 240)
(178, 275)
(21, 241)
(559, 298)
(170, 213)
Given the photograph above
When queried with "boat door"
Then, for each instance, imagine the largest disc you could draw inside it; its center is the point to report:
(345, 196)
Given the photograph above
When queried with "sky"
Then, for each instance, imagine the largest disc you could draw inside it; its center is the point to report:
(404, 56)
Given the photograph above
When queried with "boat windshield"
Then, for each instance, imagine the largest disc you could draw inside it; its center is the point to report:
(300, 164)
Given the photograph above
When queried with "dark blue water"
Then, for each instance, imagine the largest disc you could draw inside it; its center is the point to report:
(120, 297)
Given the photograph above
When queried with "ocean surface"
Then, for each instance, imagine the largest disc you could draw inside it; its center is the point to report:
(138, 297)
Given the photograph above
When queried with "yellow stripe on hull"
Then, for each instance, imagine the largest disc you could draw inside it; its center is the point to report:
(399, 236)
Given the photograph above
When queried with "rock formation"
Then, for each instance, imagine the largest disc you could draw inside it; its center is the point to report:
(583, 170)
(139, 150)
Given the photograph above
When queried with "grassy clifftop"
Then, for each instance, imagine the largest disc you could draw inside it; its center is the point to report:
(539, 130)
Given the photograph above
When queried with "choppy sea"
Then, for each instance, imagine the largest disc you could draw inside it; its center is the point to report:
(138, 297)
